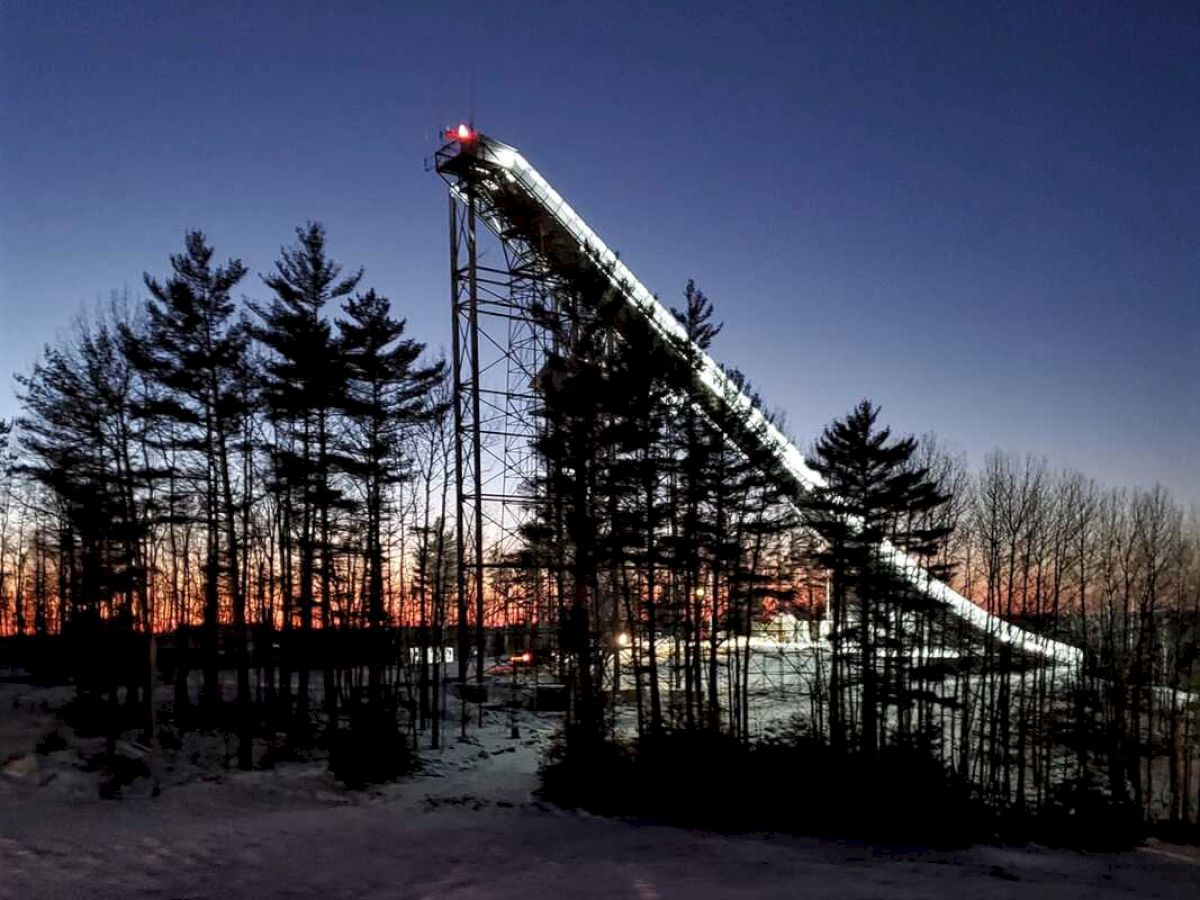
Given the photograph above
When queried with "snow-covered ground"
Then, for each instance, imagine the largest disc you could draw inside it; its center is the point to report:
(468, 827)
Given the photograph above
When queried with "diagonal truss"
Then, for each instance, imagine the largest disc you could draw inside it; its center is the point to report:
(546, 243)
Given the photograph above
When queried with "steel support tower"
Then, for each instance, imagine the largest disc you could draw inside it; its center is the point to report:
(504, 301)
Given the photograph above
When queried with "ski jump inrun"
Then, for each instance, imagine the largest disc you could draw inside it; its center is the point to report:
(513, 198)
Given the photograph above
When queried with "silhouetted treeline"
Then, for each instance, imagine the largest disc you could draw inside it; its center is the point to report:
(194, 465)
(269, 488)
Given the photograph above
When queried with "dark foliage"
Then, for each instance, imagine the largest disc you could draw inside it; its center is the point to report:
(872, 493)
(371, 749)
(593, 774)
(51, 742)
(1081, 814)
(797, 784)
(91, 715)
(119, 771)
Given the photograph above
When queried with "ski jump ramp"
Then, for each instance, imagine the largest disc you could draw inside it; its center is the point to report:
(513, 198)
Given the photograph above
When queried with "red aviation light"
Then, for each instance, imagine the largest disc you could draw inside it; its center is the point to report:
(462, 133)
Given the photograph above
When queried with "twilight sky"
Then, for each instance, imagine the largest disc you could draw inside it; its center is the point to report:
(985, 217)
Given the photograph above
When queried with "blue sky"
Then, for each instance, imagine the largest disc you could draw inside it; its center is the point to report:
(985, 217)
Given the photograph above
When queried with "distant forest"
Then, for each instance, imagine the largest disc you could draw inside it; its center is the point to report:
(253, 506)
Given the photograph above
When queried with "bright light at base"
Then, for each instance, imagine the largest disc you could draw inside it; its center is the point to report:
(623, 639)
(464, 132)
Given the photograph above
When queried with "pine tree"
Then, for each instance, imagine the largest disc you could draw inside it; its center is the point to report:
(80, 437)
(386, 395)
(637, 406)
(569, 523)
(751, 517)
(872, 493)
(304, 383)
(697, 447)
(194, 349)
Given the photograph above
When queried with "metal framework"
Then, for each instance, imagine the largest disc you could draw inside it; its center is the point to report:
(504, 297)
(545, 249)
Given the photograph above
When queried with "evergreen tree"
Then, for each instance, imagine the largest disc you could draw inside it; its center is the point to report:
(304, 385)
(194, 349)
(81, 439)
(570, 517)
(872, 493)
(386, 395)
(637, 405)
(697, 449)
(751, 518)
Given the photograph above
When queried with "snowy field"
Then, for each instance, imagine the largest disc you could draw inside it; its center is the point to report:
(468, 827)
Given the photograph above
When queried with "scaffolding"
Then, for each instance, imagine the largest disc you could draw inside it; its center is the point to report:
(505, 299)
